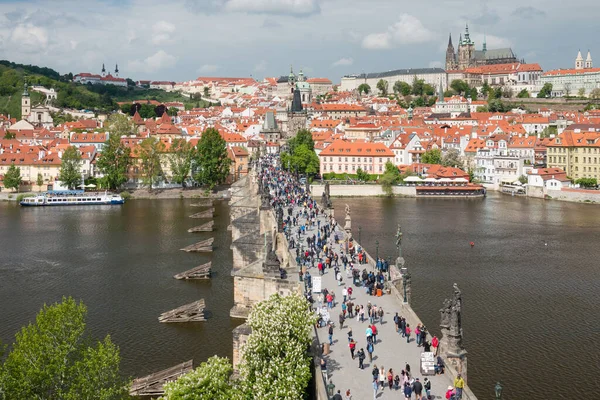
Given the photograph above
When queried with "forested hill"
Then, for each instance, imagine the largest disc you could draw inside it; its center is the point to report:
(72, 95)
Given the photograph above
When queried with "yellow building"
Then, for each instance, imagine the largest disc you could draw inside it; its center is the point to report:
(576, 151)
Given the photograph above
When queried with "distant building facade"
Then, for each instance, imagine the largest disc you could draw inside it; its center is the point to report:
(431, 76)
(581, 80)
(103, 79)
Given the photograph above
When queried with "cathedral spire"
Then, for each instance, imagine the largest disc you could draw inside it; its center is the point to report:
(484, 43)
(467, 37)
(440, 93)
(450, 40)
(460, 40)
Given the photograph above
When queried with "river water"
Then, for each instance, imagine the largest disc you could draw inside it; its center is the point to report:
(531, 314)
(531, 311)
(120, 262)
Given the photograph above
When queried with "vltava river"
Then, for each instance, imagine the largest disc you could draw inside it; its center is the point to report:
(120, 262)
(531, 314)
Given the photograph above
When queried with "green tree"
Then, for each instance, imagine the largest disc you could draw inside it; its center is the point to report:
(210, 381)
(523, 94)
(40, 180)
(70, 168)
(147, 111)
(485, 89)
(587, 182)
(523, 179)
(390, 177)
(581, 92)
(402, 88)
(275, 362)
(10, 135)
(364, 88)
(595, 94)
(428, 89)
(545, 91)
(149, 152)
(473, 93)
(507, 92)
(51, 359)
(12, 178)
(418, 88)
(382, 86)
(212, 163)
(119, 125)
(452, 158)
(433, 156)
(114, 161)
(304, 136)
(180, 160)
(303, 159)
(460, 86)
(362, 175)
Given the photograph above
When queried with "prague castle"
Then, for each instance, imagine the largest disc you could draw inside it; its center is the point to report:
(467, 56)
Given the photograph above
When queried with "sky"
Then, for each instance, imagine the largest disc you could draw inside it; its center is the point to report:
(179, 40)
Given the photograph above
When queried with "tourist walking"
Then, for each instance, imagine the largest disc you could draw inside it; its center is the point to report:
(361, 358)
(370, 351)
(341, 319)
(418, 389)
(382, 377)
(375, 388)
(407, 333)
(337, 396)
(330, 334)
(352, 346)
(435, 343)
(374, 332)
(427, 387)
(459, 384)
(390, 378)
(407, 391)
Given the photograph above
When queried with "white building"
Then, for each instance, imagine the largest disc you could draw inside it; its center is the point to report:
(581, 80)
(431, 76)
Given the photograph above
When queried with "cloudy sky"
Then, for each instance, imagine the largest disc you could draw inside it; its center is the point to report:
(182, 39)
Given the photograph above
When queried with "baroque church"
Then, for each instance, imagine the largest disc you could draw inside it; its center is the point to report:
(467, 56)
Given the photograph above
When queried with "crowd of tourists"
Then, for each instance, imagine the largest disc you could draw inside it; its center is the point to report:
(321, 247)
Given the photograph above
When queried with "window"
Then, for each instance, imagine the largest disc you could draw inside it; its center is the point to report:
(346, 159)
(346, 167)
(339, 159)
(353, 159)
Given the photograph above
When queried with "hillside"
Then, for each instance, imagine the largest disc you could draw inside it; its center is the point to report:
(72, 95)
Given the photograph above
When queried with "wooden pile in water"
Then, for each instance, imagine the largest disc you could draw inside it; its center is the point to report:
(203, 203)
(200, 272)
(203, 246)
(204, 214)
(193, 312)
(207, 227)
(152, 385)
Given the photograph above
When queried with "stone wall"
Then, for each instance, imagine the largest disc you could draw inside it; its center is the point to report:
(361, 190)
(580, 196)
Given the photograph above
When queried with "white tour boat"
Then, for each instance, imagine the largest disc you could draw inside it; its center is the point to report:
(72, 198)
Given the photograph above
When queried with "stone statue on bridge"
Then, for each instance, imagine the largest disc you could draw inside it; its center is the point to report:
(326, 197)
(399, 241)
(451, 343)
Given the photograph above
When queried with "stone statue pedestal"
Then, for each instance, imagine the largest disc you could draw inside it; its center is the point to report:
(348, 224)
(458, 362)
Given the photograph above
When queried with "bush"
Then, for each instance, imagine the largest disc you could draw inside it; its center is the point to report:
(24, 195)
(125, 195)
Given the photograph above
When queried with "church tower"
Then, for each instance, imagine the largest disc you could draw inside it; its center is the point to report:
(579, 61)
(25, 103)
(466, 50)
(588, 61)
(103, 71)
(450, 55)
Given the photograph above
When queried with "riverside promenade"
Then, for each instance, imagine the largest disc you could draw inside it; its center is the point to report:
(390, 351)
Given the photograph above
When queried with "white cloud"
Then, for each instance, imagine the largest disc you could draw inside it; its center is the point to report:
(206, 68)
(343, 61)
(406, 30)
(493, 42)
(156, 62)
(292, 7)
(261, 66)
(435, 64)
(161, 32)
(29, 38)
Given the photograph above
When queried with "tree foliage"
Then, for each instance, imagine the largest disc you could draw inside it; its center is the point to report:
(362, 175)
(211, 161)
(303, 159)
(275, 362)
(402, 88)
(40, 180)
(149, 152)
(390, 177)
(523, 94)
(210, 381)
(70, 168)
(364, 88)
(382, 86)
(459, 86)
(451, 158)
(180, 160)
(115, 159)
(587, 182)
(119, 125)
(595, 93)
(12, 178)
(304, 136)
(545, 91)
(433, 156)
(51, 359)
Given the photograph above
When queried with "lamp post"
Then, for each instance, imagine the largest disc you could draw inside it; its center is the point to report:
(376, 251)
(404, 279)
(389, 268)
(359, 229)
(498, 390)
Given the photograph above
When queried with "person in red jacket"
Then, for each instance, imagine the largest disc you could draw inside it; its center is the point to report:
(435, 343)
(374, 330)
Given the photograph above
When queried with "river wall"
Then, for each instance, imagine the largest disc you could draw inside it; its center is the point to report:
(361, 190)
